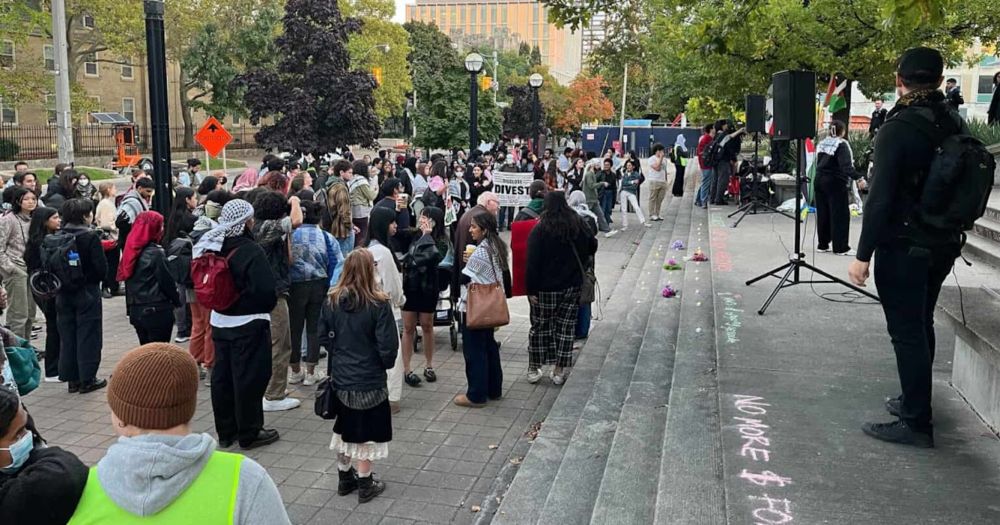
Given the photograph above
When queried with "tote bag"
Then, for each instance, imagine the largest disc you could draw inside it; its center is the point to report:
(487, 306)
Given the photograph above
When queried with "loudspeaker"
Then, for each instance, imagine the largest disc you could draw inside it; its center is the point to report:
(755, 113)
(794, 104)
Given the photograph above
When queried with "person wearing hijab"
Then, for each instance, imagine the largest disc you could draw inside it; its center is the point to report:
(150, 292)
(679, 156)
(242, 332)
(247, 180)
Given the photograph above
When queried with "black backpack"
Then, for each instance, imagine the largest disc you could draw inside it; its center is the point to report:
(61, 257)
(710, 156)
(952, 195)
(179, 261)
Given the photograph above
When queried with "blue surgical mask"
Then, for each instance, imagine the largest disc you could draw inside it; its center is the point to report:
(19, 453)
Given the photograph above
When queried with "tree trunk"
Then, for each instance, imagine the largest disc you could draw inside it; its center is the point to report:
(186, 113)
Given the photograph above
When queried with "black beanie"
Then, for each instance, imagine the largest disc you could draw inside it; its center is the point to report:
(921, 64)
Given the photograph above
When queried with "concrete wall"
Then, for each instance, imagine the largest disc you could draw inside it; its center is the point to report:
(976, 375)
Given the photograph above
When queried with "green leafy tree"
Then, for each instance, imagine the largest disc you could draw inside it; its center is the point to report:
(536, 56)
(441, 85)
(239, 36)
(524, 49)
(367, 52)
(26, 81)
(517, 116)
(318, 102)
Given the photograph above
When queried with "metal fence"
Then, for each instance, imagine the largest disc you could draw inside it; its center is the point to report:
(41, 142)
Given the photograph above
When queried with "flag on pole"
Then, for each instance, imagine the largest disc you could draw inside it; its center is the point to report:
(810, 150)
(835, 100)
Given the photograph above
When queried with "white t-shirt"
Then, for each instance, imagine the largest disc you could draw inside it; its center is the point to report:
(657, 175)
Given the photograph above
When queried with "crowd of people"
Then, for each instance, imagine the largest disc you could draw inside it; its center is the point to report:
(344, 264)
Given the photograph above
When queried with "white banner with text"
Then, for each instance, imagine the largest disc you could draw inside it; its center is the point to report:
(512, 188)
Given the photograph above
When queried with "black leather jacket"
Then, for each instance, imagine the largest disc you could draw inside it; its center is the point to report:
(150, 287)
(362, 344)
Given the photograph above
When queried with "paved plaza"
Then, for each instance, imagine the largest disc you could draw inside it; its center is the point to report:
(443, 459)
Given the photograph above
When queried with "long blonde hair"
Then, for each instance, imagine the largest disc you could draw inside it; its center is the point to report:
(357, 287)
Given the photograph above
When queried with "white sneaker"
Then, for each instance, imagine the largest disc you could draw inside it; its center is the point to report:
(848, 253)
(295, 378)
(208, 376)
(610, 233)
(53, 379)
(181, 339)
(534, 375)
(312, 379)
(648, 225)
(279, 405)
(624, 228)
(558, 379)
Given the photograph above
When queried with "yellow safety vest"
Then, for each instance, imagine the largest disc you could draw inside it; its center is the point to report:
(210, 500)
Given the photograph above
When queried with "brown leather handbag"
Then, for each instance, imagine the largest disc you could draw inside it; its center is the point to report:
(487, 304)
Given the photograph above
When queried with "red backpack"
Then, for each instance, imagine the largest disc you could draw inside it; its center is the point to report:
(213, 282)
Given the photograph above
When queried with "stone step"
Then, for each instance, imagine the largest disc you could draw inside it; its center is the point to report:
(983, 242)
(525, 498)
(993, 208)
(690, 482)
(634, 458)
(578, 480)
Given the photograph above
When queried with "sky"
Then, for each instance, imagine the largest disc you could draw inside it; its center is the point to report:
(401, 10)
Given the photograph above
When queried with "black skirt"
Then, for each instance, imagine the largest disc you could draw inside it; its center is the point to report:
(362, 426)
(420, 301)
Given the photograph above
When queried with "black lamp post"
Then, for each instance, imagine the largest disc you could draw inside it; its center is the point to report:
(535, 82)
(159, 118)
(473, 64)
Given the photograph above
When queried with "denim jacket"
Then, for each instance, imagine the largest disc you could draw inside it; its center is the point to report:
(315, 255)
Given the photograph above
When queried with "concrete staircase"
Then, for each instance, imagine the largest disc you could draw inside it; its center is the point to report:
(634, 435)
(984, 240)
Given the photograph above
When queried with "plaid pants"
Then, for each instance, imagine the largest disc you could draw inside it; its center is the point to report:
(553, 325)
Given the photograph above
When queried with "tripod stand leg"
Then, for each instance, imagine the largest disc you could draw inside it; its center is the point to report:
(769, 274)
(740, 209)
(781, 284)
(861, 291)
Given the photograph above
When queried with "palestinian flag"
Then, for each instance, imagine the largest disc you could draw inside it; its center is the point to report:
(835, 100)
(810, 193)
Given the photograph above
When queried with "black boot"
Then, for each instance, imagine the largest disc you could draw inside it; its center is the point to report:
(87, 387)
(369, 487)
(900, 432)
(73, 387)
(348, 482)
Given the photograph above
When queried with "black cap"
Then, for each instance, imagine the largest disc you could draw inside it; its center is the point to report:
(920, 64)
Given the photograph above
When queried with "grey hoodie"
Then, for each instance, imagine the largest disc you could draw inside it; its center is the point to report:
(145, 474)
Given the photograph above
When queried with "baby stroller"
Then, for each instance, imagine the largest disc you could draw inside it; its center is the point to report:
(444, 313)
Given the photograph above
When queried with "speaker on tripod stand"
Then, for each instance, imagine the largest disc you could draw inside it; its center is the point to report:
(759, 200)
(795, 119)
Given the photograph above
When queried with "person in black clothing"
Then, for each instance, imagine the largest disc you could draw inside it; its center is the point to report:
(358, 330)
(574, 177)
(608, 193)
(729, 149)
(180, 222)
(953, 94)
(78, 306)
(834, 173)
(878, 118)
(150, 291)
(40, 485)
(558, 247)
(993, 114)
(61, 187)
(420, 286)
(242, 332)
(389, 197)
(911, 261)
(44, 221)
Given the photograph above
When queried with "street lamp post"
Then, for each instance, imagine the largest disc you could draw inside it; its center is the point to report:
(473, 64)
(159, 118)
(535, 81)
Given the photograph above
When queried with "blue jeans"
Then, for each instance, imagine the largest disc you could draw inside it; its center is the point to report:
(583, 321)
(607, 204)
(707, 175)
(506, 217)
(482, 365)
(346, 244)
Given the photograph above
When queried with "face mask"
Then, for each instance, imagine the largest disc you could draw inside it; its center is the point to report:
(83, 182)
(19, 452)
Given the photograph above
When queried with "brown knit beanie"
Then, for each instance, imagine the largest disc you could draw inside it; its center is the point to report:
(154, 387)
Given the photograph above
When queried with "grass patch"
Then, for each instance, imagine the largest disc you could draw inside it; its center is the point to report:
(94, 173)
